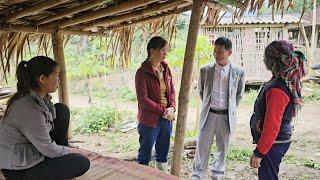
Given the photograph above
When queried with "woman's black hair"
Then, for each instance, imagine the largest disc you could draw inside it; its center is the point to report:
(28, 73)
(156, 42)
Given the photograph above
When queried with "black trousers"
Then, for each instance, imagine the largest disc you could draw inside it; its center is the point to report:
(64, 167)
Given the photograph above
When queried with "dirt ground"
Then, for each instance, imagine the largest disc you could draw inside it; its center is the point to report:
(306, 144)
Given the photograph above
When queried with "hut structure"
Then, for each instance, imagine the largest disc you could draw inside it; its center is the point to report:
(50, 23)
(251, 34)
(307, 25)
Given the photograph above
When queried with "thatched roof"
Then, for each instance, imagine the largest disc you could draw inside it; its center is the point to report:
(308, 18)
(22, 21)
(289, 18)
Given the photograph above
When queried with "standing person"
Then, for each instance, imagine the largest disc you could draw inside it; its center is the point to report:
(156, 103)
(276, 105)
(221, 87)
(33, 132)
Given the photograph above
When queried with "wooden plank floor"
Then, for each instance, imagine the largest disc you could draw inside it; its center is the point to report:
(108, 168)
(114, 169)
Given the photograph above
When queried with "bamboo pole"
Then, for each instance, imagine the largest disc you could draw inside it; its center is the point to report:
(313, 35)
(71, 11)
(109, 21)
(306, 41)
(185, 87)
(33, 9)
(92, 15)
(24, 28)
(152, 18)
(57, 43)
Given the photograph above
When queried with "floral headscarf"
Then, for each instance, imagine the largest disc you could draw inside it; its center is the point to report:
(283, 61)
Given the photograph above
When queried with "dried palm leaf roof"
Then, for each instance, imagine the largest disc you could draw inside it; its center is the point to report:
(23, 21)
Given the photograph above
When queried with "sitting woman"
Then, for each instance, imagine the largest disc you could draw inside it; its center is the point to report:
(33, 132)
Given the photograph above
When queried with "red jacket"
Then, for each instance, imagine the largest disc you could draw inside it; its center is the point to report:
(148, 93)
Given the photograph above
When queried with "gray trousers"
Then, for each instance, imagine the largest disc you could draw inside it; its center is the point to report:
(218, 126)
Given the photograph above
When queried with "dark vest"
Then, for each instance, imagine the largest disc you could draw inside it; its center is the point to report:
(257, 118)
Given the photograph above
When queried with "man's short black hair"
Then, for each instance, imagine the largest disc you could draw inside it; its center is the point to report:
(224, 42)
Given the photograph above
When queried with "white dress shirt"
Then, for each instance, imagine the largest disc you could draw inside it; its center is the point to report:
(219, 98)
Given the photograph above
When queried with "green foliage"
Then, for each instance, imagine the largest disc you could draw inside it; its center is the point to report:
(203, 54)
(83, 58)
(297, 7)
(239, 154)
(249, 97)
(310, 163)
(127, 94)
(314, 95)
(96, 119)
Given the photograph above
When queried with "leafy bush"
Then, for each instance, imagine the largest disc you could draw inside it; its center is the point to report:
(311, 92)
(249, 97)
(97, 119)
(127, 94)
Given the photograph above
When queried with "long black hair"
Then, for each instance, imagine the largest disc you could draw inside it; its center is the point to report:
(27, 75)
(157, 42)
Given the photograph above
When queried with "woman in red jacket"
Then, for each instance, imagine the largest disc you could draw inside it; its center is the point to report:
(277, 104)
(156, 103)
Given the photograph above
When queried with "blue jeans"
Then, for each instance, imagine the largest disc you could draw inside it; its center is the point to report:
(269, 166)
(159, 135)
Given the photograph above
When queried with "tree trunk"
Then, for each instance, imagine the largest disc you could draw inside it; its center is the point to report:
(89, 88)
(185, 87)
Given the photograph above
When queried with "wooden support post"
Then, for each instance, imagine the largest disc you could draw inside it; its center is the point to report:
(185, 87)
(308, 53)
(313, 35)
(57, 43)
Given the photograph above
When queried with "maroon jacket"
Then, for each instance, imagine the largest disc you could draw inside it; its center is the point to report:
(148, 93)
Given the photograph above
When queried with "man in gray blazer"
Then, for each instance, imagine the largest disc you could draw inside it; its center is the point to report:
(221, 86)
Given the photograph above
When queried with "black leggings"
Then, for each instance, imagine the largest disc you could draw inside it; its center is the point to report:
(64, 167)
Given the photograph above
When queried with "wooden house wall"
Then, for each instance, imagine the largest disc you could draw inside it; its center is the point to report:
(248, 46)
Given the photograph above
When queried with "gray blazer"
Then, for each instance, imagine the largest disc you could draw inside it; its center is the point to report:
(24, 134)
(236, 91)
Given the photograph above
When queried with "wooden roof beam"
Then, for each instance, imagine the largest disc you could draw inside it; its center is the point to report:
(147, 19)
(71, 11)
(109, 21)
(41, 30)
(89, 16)
(33, 9)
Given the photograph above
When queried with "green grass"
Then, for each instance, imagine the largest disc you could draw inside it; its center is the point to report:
(120, 142)
(310, 163)
(249, 97)
(239, 154)
(311, 93)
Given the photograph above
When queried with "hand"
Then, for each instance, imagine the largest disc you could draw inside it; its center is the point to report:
(90, 155)
(255, 161)
(169, 114)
